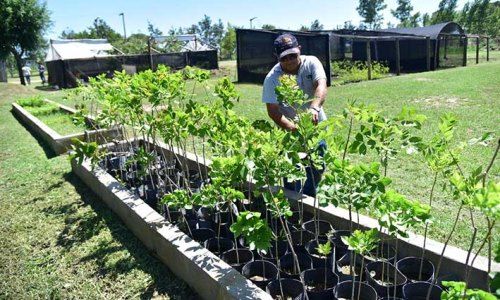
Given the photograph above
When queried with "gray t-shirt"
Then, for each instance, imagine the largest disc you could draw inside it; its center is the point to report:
(310, 70)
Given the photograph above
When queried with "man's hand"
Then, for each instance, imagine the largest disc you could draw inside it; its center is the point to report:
(315, 114)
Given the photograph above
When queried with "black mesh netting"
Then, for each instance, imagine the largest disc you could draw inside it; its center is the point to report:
(255, 52)
(66, 73)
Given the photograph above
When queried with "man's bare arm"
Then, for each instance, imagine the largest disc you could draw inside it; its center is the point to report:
(273, 110)
(320, 91)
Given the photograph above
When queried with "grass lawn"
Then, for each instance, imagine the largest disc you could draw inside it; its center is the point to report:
(59, 240)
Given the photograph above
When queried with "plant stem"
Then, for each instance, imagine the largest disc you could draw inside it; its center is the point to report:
(348, 138)
(426, 228)
(444, 249)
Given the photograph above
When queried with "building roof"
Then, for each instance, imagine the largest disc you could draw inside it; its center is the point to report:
(431, 31)
(78, 48)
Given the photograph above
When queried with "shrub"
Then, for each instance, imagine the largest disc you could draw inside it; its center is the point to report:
(354, 71)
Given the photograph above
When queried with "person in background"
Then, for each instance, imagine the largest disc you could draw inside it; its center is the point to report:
(27, 74)
(41, 72)
(311, 78)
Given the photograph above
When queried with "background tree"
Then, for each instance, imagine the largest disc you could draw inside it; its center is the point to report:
(212, 34)
(474, 16)
(154, 31)
(316, 25)
(426, 19)
(23, 25)
(403, 11)
(136, 43)
(228, 43)
(370, 10)
(268, 27)
(445, 13)
(99, 30)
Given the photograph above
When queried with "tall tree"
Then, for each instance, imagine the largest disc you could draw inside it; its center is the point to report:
(268, 27)
(403, 11)
(316, 25)
(99, 30)
(228, 43)
(23, 25)
(154, 31)
(426, 19)
(446, 12)
(370, 10)
(211, 33)
(474, 16)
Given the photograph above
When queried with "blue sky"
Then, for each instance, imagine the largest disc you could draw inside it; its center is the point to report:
(79, 15)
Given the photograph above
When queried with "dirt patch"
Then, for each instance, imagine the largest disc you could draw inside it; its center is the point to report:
(422, 79)
(440, 101)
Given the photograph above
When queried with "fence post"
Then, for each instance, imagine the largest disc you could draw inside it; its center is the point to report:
(150, 55)
(487, 48)
(398, 57)
(477, 49)
(369, 59)
(466, 44)
(428, 55)
(436, 52)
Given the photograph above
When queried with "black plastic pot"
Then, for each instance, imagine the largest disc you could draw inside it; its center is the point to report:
(174, 216)
(287, 264)
(237, 258)
(219, 245)
(448, 277)
(343, 264)
(344, 290)
(270, 255)
(301, 236)
(323, 227)
(377, 272)
(318, 260)
(319, 283)
(197, 224)
(391, 298)
(383, 252)
(286, 288)
(202, 234)
(418, 291)
(340, 247)
(260, 272)
(410, 267)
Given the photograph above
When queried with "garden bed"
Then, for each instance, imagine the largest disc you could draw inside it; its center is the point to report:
(214, 277)
(209, 275)
(56, 129)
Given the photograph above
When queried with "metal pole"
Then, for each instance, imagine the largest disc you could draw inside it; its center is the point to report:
(487, 48)
(398, 58)
(477, 50)
(123, 21)
(251, 19)
(436, 53)
(369, 59)
(428, 56)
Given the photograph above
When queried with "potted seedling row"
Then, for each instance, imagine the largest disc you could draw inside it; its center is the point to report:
(234, 204)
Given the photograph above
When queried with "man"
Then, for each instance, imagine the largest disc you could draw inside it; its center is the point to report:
(41, 72)
(311, 79)
(27, 74)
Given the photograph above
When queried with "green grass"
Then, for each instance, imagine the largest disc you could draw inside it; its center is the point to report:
(62, 123)
(58, 239)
